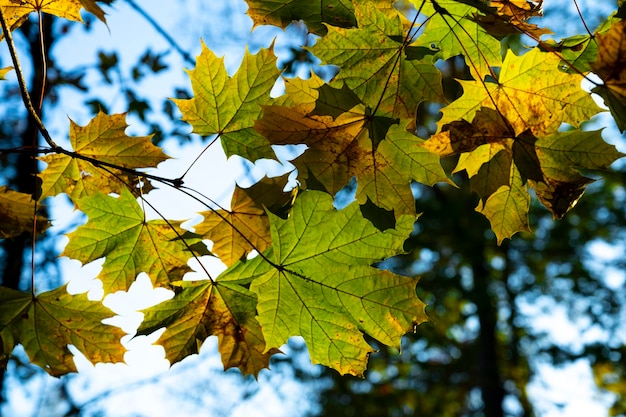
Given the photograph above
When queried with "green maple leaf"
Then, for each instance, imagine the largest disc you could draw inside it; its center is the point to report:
(317, 281)
(563, 154)
(375, 64)
(16, 214)
(528, 90)
(579, 52)
(385, 158)
(314, 13)
(118, 231)
(102, 140)
(451, 31)
(490, 154)
(198, 311)
(45, 325)
(228, 106)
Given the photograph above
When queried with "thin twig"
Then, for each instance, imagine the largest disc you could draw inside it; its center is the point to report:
(186, 56)
(582, 19)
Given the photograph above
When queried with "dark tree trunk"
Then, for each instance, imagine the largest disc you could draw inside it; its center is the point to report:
(489, 377)
(25, 166)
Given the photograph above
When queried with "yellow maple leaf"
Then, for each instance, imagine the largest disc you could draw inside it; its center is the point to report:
(529, 94)
(200, 310)
(16, 12)
(237, 231)
(16, 213)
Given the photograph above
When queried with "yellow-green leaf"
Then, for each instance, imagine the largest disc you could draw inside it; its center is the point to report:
(451, 31)
(507, 208)
(47, 324)
(529, 94)
(561, 157)
(320, 253)
(102, 140)
(198, 311)
(394, 83)
(238, 231)
(16, 214)
(228, 106)
(385, 158)
(118, 231)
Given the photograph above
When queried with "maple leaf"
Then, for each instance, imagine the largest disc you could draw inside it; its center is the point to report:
(488, 167)
(488, 148)
(16, 11)
(236, 232)
(577, 52)
(117, 229)
(385, 158)
(102, 140)
(510, 17)
(394, 83)
(529, 94)
(610, 65)
(245, 227)
(314, 13)
(200, 310)
(45, 325)
(16, 214)
(228, 106)
(320, 253)
(562, 156)
(451, 31)
(500, 164)
(269, 193)
(460, 136)
(507, 208)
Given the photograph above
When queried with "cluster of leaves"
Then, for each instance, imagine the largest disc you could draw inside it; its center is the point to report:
(313, 274)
